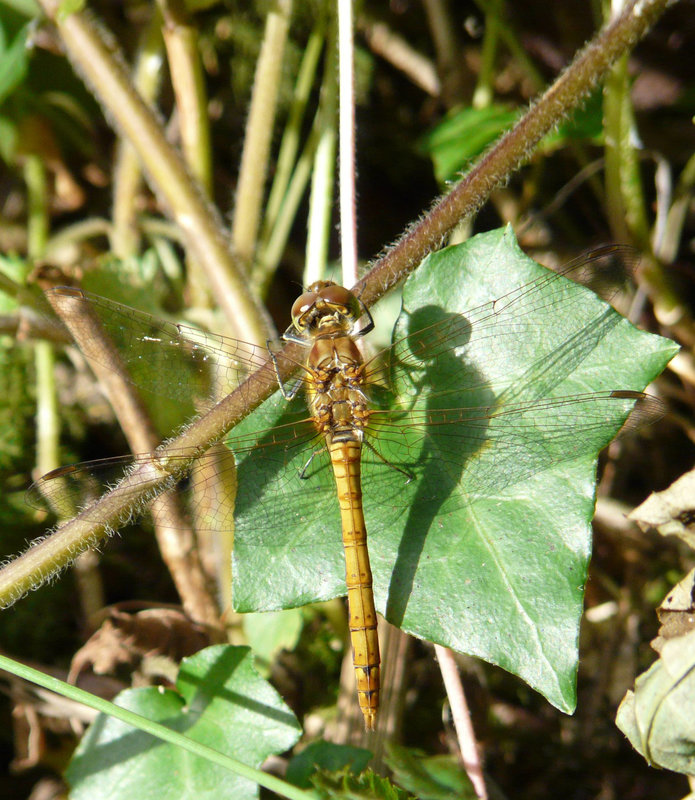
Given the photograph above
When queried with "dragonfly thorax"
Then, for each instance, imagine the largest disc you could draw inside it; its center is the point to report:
(336, 396)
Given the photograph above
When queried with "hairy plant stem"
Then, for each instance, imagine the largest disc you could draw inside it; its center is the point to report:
(514, 149)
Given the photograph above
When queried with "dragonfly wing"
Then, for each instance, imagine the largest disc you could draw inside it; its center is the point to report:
(287, 548)
(165, 358)
(501, 333)
(208, 492)
(464, 454)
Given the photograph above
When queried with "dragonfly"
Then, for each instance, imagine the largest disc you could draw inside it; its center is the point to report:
(403, 421)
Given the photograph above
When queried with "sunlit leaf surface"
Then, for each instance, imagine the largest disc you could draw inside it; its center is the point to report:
(497, 400)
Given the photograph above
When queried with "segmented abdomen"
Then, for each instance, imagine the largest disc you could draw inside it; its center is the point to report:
(345, 457)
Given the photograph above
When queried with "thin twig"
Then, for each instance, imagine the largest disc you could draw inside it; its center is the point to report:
(462, 719)
(346, 133)
(401, 54)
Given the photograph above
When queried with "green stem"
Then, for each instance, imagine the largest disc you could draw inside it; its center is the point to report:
(510, 39)
(127, 172)
(484, 91)
(269, 257)
(47, 417)
(37, 201)
(676, 216)
(155, 729)
(47, 420)
(291, 135)
(94, 57)
(323, 173)
(624, 196)
(259, 131)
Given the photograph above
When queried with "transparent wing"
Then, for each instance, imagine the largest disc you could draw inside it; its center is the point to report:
(187, 363)
(604, 270)
(166, 358)
(490, 429)
(487, 449)
(71, 489)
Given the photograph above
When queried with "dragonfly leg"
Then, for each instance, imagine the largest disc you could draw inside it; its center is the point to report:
(288, 395)
(369, 325)
(302, 472)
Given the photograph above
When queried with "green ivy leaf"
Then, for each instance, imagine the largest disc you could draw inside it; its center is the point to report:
(485, 550)
(220, 701)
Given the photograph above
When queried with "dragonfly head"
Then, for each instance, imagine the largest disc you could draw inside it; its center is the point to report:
(325, 304)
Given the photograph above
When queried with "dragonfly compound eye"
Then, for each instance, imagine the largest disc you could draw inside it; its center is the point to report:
(334, 295)
(338, 298)
(302, 307)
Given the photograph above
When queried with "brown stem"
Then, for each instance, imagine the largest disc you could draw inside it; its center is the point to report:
(465, 734)
(515, 147)
(175, 536)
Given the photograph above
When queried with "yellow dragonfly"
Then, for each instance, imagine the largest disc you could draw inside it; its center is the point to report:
(448, 422)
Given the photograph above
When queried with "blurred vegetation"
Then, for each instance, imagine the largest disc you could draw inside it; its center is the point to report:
(437, 83)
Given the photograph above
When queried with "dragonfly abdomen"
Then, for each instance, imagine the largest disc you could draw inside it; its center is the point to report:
(326, 315)
(345, 458)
